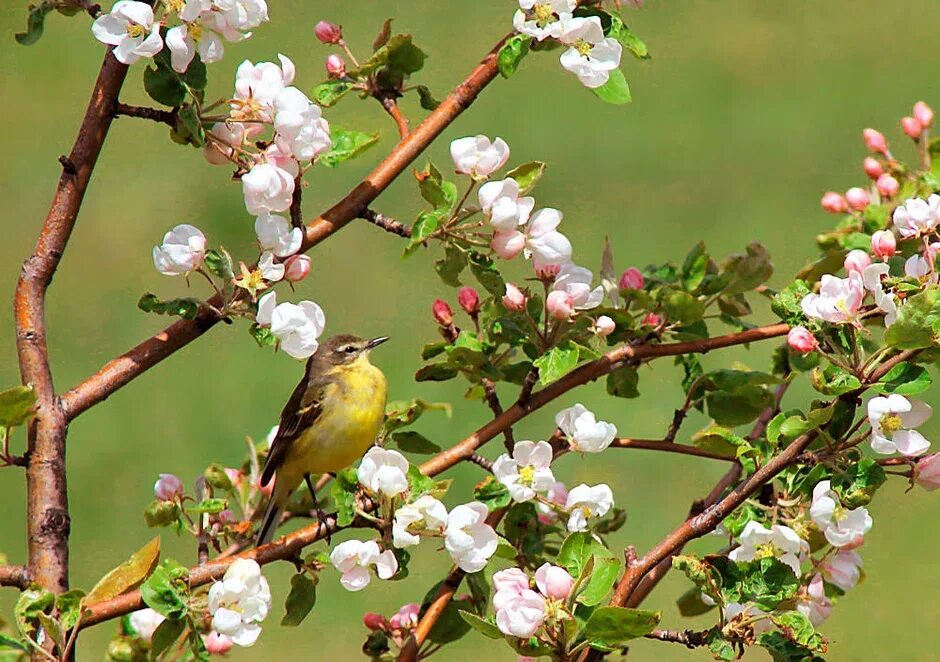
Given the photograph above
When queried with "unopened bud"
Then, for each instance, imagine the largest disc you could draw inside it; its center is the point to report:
(405, 618)
(168, 487)
(604, 326)
(443, 314)
(508, 245)
(912, 127)
(651, 319)
(875, 141)
(328, 33)
(217, 477)
(873, 167)
(161, 513)
(217, 644)
(834, 203)
(923, 113)
(857, 260)
(801, 340)
(335, 66)
(887, 186)
(858, 198)
(631, 279)
(883, 244)
(374, 622)
(296, 268)
(559, 305)
(469, 300)
(927, 472)
(514, 299)
(546, 272)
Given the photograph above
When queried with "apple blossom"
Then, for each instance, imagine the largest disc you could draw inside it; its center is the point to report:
(871, 277)
(651, 319)
(858, 198)
(919, 267)
(591, 56)
(301, 129)
(185, 40)
(406, 618)
(838, 300)
(576, 282)
(217, 644)
(558, 495)
(130, 28)
(183, 250)
(883, 244)
(927, 472)
(296, 268)
(812, 601)
(521, 615)
(469, 300)
(893, 419)
(875, 141)
(544, 243)
(468, 538)
(353, 558)
(780, 542)
(923, 113)
(442, 312)
(328, 33)
(335, 66)
(230, 136)
(603, 326)
(508, 245)
(631, 279)
(857, 260)
(801, 340)
(507, 584)
(872, 167)
(257, 85)
(917, 216)
(240, 602)
(477, 156)
(554, 581)
(527, 472)
(502, 205)
(424, 514)
(585, 433)
(514, 299)
(887, 185)
(296, 326)
(841, 526)
(541, 19)
(241, 15)
(559, 305)
(375, 622)
(267, 187)
(275, 234)
(145, 622)
(911, 127)
(546, 272)
(270, 270)
(585, 502)
(842, 569)
(834, 203)
(384, 472)
(168, 488)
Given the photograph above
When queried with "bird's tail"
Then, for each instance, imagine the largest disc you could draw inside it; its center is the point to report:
(272, 516)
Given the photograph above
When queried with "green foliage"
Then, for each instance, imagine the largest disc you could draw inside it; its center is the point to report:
(511, 54)
(35, 22)
(795, 641)
(527, 175)
(128, 575)
(162, 513)
(300, 600)
(485, 626)
(410, 441)
(346, 144)
(592, 564)
(623, 383)
(329, 92)
(492, 493)
(187, 307)
(556, 363)
(219, 263)
(833, 380)
(905, 379)
(166, 591)
(615, 91)
(166, 86)
(735, 397)
(918, 321)
(343, 492)
(392, 63)
(166, 635)
(609, 627)
(17, 406)
(619, 31)
(484, 270)
(786, 302)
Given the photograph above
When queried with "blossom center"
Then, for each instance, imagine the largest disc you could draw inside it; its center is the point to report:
(765, 551)
(543, 14)
(527, 475)
(891, 423)
(175, 5)
(135, 30)
(583, 47)
(195, 31)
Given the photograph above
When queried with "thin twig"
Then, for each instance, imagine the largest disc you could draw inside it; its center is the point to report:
(15, 575)
(144, 112)
(386, 223)
(688, 638)
(391, 107)
(492, 399)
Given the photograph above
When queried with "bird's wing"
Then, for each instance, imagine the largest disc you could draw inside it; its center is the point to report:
(302, 409)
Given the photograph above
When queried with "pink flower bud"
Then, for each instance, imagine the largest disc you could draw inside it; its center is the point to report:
(217, 644)
(834, 203)
(374, 622)
(801, 340)
(405, 618)
(168, 487)
(927, 472)
(335, 66)
(442, 312)
(546, 272)
(872, 167)
(553, 581)
(651, 319)
(883, 244)
(858, 198)
(328, 33)
(514, 299)
(508, 245)
(469, 300)
(887, 186)
(512, 580)
(857, 260)
(604, 326)
(912, 127)
(559, 305)
(631, 279)
(923, 113)
(875, 141)
(296, 268)
(234, 475)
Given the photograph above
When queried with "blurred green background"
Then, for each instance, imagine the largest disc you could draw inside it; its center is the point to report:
(747, 112)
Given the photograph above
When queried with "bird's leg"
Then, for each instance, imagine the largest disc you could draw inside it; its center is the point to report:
(321, 515)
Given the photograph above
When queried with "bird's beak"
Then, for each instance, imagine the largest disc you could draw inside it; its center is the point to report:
(375, 342)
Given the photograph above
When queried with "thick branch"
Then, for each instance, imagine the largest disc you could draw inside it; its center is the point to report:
(118, 372)
(15, 575)
(48, 517)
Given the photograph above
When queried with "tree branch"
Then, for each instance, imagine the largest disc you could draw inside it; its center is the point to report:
(688, 638)
(391, 107)
(143, 112)
(15, 575)
(386, 223)
(668, 447)
(121, 370)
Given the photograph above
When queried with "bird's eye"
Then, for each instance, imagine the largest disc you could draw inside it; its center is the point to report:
(349, 349)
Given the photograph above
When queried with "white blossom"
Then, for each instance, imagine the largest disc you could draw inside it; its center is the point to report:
(591, 56)
(301, 129)
(542, 19)
(384, 471)
(916, 216)
(586, 502)
(575, 281)
(145, 622)
(838, 300)
(843, 569)
(527, 472)
(257, 85)
(424, 514)
(886, 302)
(240, 602)
(183, 250)
(353, 559)
(544, 244)
(269, 186)
(813, 603)
(276, 234)
(242, 15)
(840, 526)
(468, 538)
(502, 205)
(893, 419)
(185, 40)
(271, 270)
(522, 614)
(585, 433)
(477, 156)
(296, 326)
(780, 542)
(130, 28)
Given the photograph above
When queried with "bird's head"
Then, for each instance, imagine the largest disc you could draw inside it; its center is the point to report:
(344, 349)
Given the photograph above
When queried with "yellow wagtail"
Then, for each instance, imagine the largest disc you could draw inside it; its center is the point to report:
(330, 420)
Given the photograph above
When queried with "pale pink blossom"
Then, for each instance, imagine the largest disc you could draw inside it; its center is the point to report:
(893, 419)
(297, 267)
(912, 127)
(857, 260)
(801, 340)
(604, 326)
(508, 245)
(858, 198)
(838, 300)
(522, 615)
(335, 66)
(927, 472)
(883, 244)
(559, 305)
(217, 644)
(875, 141)
(406, 617)
(553, 581)
(812, 601)
(887, 185)
(834, 203)
(514, 299)
(477, 156)
(872, 167)
(842, 569)
(168, 488)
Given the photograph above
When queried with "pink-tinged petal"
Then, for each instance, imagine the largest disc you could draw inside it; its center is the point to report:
(910, 442)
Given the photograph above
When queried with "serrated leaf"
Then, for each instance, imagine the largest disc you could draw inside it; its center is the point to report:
(556, 363)
(905, 379)
(614, 626)
(918, 323)
(329, 92)
(165, 636)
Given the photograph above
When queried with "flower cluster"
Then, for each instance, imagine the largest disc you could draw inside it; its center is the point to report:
(240, 602)
(520, 610)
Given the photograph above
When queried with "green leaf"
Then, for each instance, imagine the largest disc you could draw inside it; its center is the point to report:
(833, 380)
(17, 405)
(623, 383)
(718, 439)
(739, 405)
(410, 441)
(786, 303)
(346, 144)
(425, 225)
(216, 477)
(859, 482)
(343, 492)
(187, 308)
(31, 603)
(492, 493)
(52, 629)
(300, 600)
(691, 604)
(329, 92)
(165, 636)
(485, 627)
(511, 54)
(219, 263)
(580, 551)
(748, 270)
(6, 641)
(401, 413)
(69, 607)
(188, 129)
(619, 31)
(161, 513)
(555, 364)
(484, 270)
(436, 372)
(34, 23)
(795, 641)
(166, 86)
(918, 321)
(166, 591)
(395, 60)
(418, 483)
(427, 100)
(765, 582)
(209, 506)
(127, 576)
(451, 265)
(693, 269)
(614, 626)
(527, 175)
(615, 90)
(682, 307)
(262, 335)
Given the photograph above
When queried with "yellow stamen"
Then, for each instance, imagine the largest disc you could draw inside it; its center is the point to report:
(526, 475)
(135, 30)
(765, 551)
(583, 47)
(543, 14)
(890, 423)
(195, 31)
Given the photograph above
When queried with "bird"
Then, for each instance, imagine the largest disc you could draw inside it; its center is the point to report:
(331, 419)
